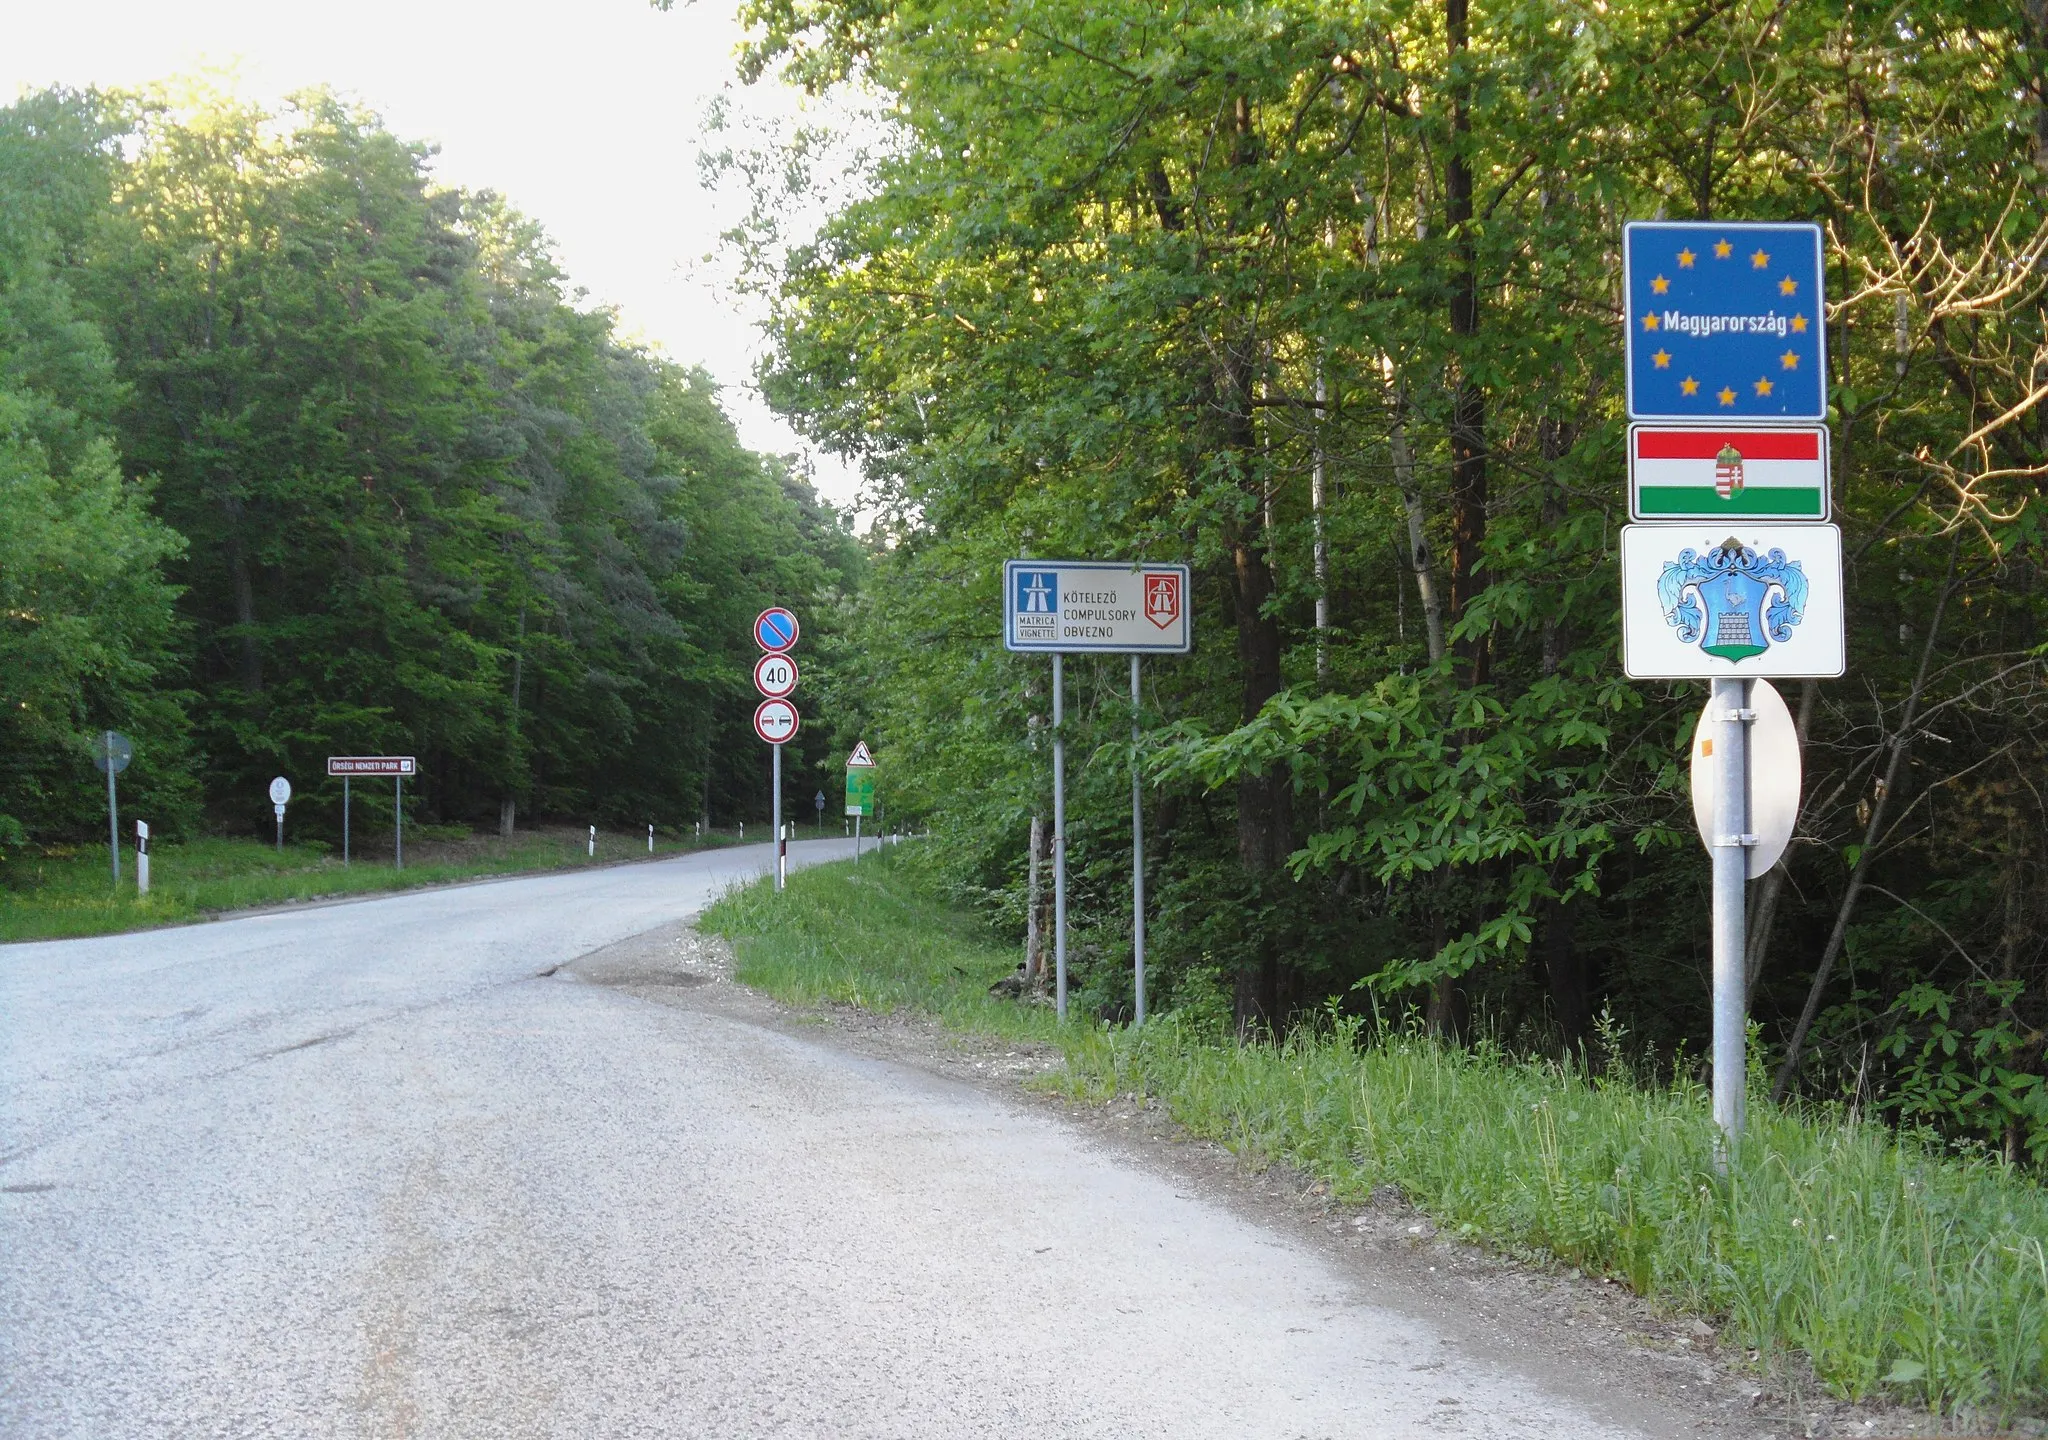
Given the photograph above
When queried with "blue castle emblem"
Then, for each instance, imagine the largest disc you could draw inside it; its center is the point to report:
(1731, 601)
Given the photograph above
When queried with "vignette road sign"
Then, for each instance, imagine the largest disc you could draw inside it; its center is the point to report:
(775, 629)
(1078, 606)
(1707, 604)
(775, 721)
(1724, 321)
(1714, 472)
(775, 675)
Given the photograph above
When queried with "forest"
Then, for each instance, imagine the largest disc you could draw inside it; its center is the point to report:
(1324, 300)
(303, 453)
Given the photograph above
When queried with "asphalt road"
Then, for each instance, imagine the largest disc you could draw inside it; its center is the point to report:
(369, 1169)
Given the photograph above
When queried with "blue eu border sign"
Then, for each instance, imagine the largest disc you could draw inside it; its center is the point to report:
(1104, 606)
(1725, 321)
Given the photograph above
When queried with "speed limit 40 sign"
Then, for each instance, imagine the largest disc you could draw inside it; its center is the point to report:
(775, 675)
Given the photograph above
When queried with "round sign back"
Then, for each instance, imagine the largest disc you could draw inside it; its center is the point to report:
(1774, 777)
(280, 790)
(775, 721)
(775, 675)
(111, 750)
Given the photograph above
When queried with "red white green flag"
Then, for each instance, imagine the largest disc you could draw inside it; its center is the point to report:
(1777, 472)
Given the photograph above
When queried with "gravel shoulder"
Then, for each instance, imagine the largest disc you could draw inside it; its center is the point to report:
(1593, 1340)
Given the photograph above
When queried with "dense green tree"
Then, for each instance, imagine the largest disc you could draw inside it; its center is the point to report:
(1323, 299)
(87, 630)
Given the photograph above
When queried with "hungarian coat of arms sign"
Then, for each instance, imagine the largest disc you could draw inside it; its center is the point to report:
(1753, 601)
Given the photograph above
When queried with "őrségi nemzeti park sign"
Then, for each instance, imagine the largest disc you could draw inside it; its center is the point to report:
(1118, 607)
(1734, 576)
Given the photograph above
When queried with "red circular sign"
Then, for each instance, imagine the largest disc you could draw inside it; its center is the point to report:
(775, 721)
(775, 675)
(775, 629)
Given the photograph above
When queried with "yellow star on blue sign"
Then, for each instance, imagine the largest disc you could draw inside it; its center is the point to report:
(1722, 320)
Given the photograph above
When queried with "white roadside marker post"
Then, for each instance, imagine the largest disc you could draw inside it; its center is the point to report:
(141, 857)
(650, 839)
(592, 851)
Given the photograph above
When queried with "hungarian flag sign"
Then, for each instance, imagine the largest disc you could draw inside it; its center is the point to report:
(1777, 472)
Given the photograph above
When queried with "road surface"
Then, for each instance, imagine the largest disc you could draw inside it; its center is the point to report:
(394, 1168)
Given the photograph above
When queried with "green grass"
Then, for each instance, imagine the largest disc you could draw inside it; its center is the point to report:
(1895, 1269)
(870, 935)
(70, 892)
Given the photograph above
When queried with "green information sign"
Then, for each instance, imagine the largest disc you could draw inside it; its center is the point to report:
(860, 792)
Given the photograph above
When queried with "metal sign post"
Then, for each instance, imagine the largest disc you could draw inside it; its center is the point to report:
(343, 767)
(280, 794)
(1062, 607)
(1726, 357)
(1731, 714)
(1059, 833)
(111, 753)
(775, 718)
(1137, 858)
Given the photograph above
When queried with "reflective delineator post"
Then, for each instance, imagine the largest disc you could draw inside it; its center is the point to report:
(1731, 714)
(141, 857)
(1137, 860)
(650, 839)
(1059, 834)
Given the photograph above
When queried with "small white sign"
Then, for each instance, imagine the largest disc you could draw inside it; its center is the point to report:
(1707, 601)
(1118, 606)
(280, 791)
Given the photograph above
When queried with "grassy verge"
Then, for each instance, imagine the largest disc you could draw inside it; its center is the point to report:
(869, 935)
(70, 892)
(1894, 1269)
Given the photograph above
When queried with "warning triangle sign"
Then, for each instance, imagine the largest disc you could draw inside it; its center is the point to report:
(860, 755)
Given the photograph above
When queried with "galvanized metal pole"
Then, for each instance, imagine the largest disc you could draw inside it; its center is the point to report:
(398, 821)
(775, 813)
(113, 806)
(1059, 835)
(344, 822)
(1731, 715)
(1137, 860)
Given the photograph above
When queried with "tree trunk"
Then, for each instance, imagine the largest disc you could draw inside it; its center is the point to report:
(1468, 402)
(1901, 741)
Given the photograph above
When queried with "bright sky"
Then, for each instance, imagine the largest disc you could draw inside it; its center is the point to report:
(585, 113)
